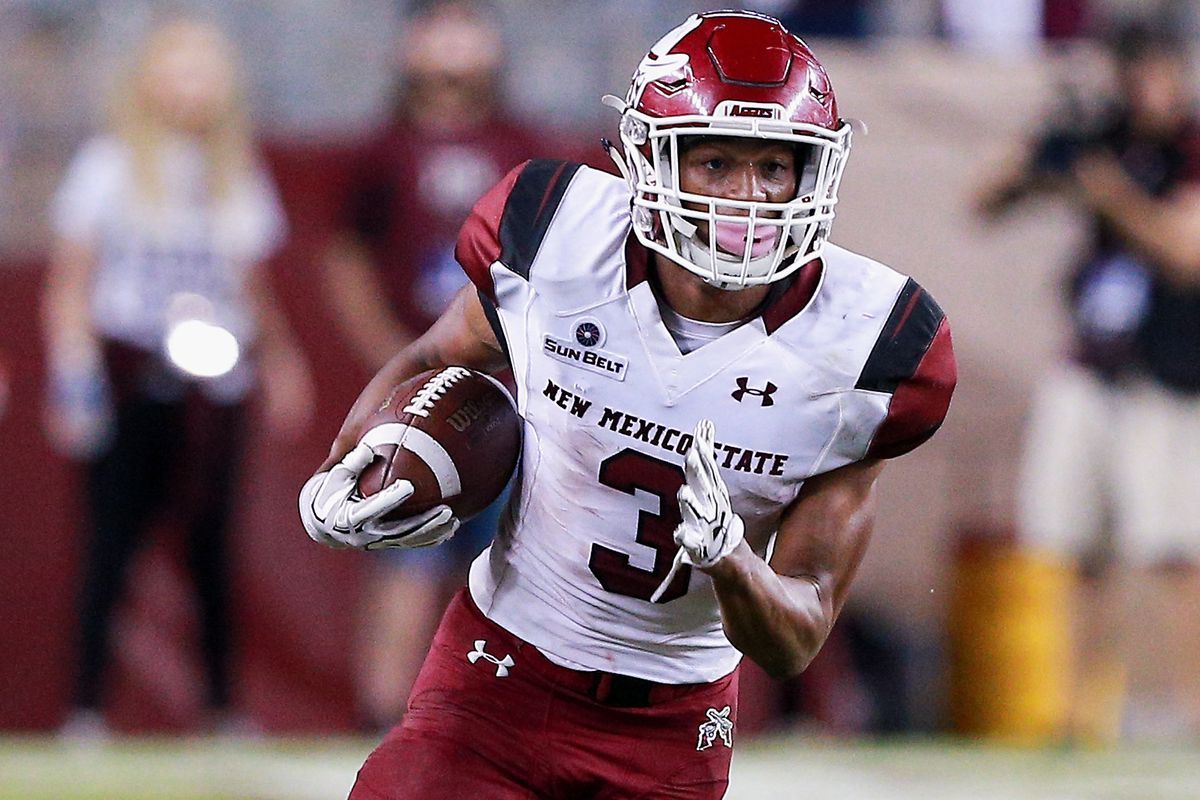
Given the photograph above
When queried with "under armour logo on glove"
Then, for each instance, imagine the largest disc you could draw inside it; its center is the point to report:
(718, 725)
(763, 394)
(502, 664)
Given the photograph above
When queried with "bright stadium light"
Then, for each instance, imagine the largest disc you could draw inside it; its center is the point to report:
(202, 349)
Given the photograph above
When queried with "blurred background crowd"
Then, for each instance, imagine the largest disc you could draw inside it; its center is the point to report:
(217, 219)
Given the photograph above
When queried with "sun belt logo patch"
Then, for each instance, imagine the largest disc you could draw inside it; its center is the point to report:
(602, 362)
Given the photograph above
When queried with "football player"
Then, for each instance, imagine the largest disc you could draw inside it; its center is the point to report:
(710, 391)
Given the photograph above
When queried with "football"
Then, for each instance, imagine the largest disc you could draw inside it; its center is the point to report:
(459, 438)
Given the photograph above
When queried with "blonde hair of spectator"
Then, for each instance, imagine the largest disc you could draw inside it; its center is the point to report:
(183, 79)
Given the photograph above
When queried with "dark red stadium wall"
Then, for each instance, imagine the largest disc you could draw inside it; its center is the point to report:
(39, 564)
(295, 602)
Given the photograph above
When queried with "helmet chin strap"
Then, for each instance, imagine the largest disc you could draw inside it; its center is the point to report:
(615, 155)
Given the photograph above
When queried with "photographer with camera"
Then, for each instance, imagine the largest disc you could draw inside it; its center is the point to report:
(1109, 486)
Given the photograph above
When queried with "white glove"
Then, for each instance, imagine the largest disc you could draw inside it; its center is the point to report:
(336, 514)
(710, 530)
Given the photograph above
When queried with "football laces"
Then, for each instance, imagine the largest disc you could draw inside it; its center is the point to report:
(434, 389)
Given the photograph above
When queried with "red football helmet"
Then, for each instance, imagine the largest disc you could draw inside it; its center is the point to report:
(737, 74)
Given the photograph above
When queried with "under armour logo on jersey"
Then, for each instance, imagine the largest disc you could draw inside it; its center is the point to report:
(763, 394)
(502, 664)
(718, 725)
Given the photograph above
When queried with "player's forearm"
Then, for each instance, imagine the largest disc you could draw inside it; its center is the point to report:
(460, 336)
(779, 622)
(780, 614)
(411, 360)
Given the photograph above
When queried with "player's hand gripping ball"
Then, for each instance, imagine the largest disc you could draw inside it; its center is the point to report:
(439, 449)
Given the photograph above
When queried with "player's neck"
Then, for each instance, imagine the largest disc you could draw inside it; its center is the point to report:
(691, 297)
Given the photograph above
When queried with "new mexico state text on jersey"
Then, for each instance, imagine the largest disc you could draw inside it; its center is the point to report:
(661, 436)
(848, 360)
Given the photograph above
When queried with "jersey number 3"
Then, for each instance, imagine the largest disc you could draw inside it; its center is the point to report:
(628, 471)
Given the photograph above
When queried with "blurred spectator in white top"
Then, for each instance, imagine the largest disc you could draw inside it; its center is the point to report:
(158, 323)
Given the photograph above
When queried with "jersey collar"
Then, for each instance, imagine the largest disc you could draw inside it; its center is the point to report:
(786, 299)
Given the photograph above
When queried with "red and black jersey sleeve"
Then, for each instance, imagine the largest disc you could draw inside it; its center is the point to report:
(508, 223)
(913, 361)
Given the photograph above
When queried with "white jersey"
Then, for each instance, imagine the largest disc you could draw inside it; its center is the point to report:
(609, 403)
(186, 241)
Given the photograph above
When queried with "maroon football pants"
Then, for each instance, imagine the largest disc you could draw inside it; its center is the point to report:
(490, 717)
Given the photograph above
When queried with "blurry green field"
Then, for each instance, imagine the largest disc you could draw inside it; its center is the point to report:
(308, 769)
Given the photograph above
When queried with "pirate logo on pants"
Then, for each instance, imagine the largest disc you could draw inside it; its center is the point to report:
(718, 724)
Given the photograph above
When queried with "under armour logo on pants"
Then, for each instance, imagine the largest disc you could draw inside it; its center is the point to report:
(502, 664)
